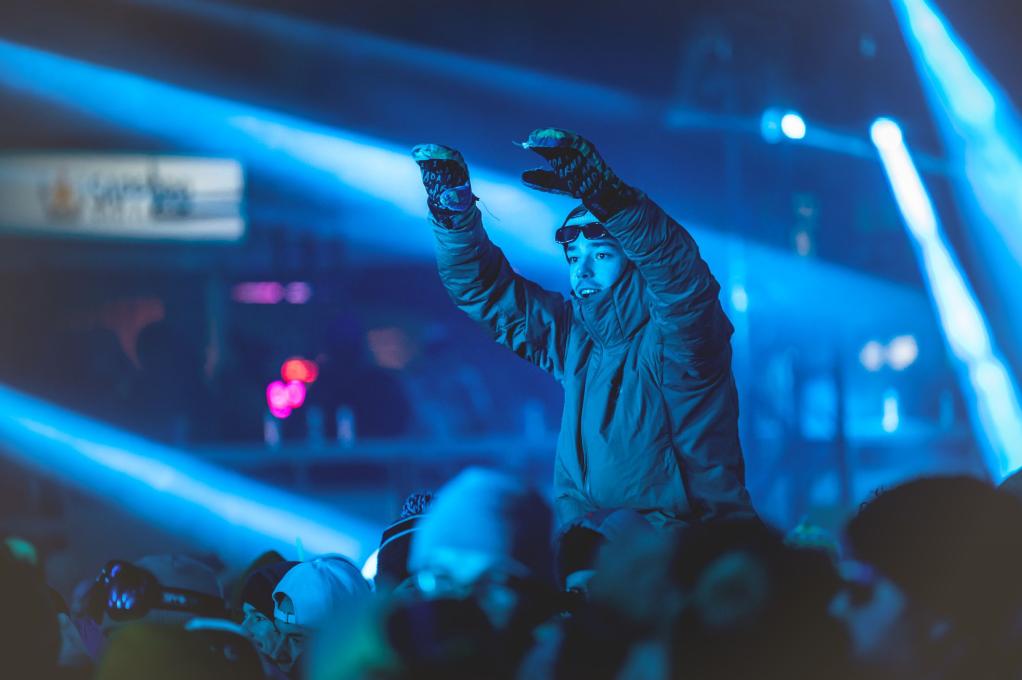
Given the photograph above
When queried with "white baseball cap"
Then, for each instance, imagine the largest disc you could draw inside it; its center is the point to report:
(319, 589)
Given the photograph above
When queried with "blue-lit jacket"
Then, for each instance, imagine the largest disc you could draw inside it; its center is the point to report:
(650, 417)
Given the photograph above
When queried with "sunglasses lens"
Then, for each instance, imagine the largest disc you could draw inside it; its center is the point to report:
(566, 235)
(594, 231)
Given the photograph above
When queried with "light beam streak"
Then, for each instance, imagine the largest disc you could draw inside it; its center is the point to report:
(330, 160)
(220, 510)
(982, 134)
(989, 388)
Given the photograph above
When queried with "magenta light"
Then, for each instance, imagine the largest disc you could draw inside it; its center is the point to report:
(296, 393)
(271, 292)
(280, 412)
(277, 395)
(258, 293)
(282, 398)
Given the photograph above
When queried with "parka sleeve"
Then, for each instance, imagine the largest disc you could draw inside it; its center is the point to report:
(683, 292)
(697, 380)
(524, 317)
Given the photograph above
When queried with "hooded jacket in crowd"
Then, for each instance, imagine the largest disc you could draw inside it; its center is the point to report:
(650, 416)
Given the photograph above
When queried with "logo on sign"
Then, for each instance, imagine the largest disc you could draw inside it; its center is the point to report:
(116, 197)
(60, 199)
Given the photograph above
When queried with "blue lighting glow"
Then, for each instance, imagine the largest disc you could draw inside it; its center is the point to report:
(770, 125)
(891, 418)
(332, 161)
(982, 133)
(957, 78)
(989, 388)
(739, 298)
(237, 517)
(360, 46)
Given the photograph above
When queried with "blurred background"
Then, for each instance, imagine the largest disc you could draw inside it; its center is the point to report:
(214, 248)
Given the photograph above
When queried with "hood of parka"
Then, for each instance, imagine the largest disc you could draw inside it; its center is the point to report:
(614, 315)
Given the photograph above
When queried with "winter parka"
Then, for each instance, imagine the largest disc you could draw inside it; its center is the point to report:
(650, 418)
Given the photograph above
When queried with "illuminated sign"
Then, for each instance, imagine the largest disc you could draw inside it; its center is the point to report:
(135, 197)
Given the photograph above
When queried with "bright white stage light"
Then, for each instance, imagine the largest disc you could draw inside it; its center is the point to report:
(793, 126)
(909, 192)
(885, 133)
(777, 123)
(902, 352)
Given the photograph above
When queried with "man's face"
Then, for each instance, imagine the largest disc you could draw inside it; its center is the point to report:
(261, 629)
(594, 266)
(290, 645)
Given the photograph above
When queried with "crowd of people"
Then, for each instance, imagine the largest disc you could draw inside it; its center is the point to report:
(474, 581)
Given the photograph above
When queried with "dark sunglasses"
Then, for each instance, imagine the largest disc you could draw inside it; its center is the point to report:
(126, 592)
(592, 231)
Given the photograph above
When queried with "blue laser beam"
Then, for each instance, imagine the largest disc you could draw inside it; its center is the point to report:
(990, 390)
(982, 134)
(221, 510)
(330, 160)
(980, 127)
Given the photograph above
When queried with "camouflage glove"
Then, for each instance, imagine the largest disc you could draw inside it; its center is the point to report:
(578, 170)
(445, 176)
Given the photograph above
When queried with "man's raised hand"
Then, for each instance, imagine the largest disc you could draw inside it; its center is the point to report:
(445, 176)
(577, 170)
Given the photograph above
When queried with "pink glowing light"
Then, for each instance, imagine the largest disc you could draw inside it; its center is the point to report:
(280, 412)
(283, 398)
(277, 395)
(296, 394)
(271, 292)
(258, 293)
